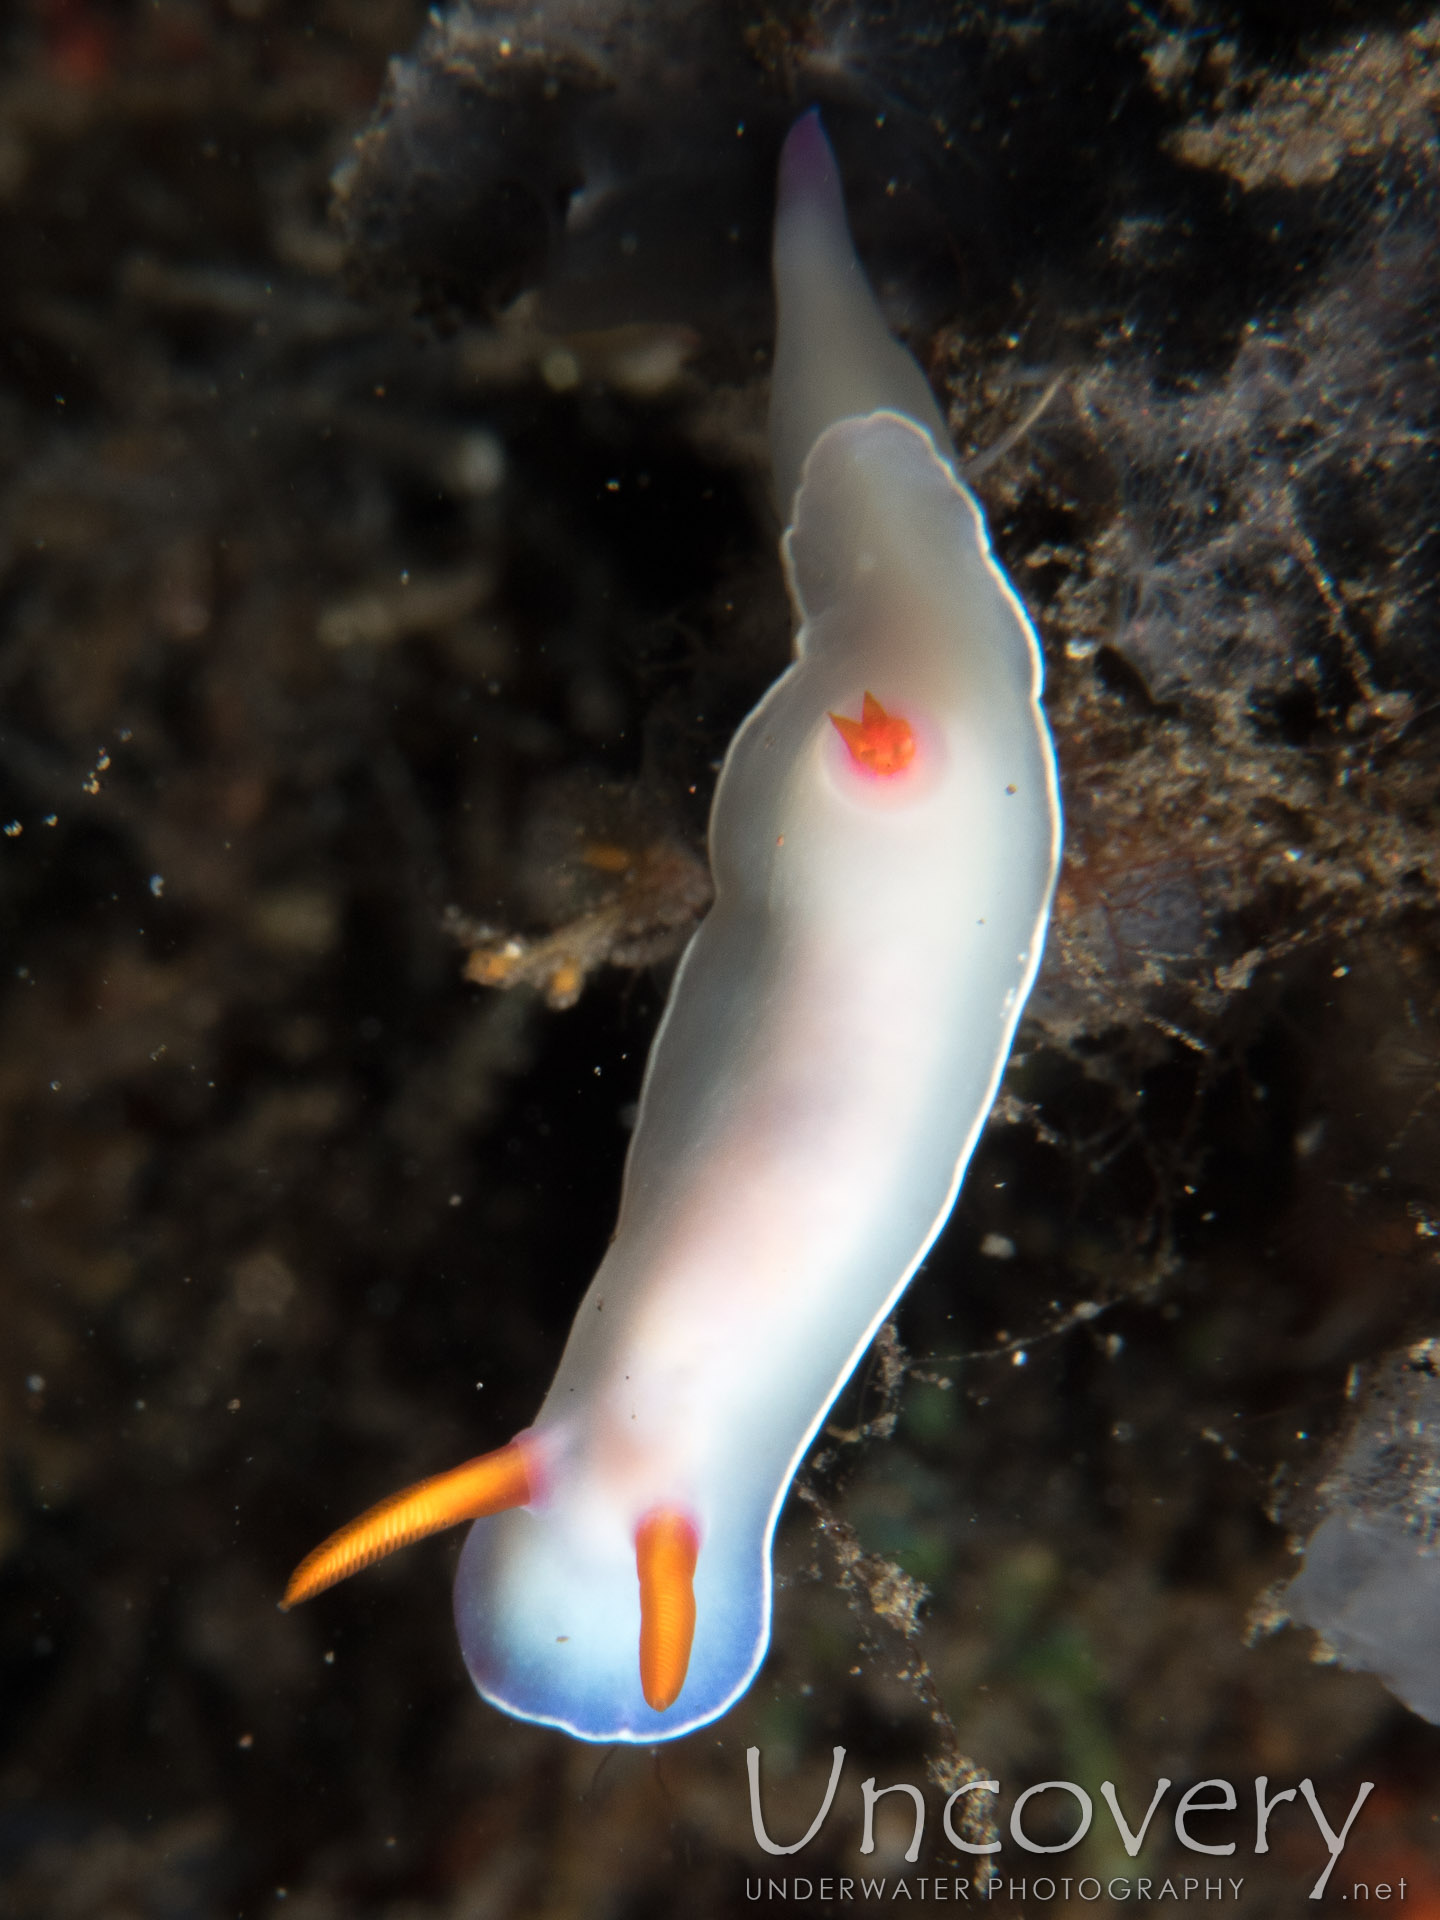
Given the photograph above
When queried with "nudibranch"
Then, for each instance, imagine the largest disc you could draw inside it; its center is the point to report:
(884, 839)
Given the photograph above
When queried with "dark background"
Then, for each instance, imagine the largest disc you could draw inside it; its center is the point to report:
(344, 633)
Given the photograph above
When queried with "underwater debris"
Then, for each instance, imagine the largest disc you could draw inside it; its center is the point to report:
(648, 910)
(1374, 95)
(604, 870)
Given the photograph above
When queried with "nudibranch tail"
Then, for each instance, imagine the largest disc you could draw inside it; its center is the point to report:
(835, 357)
(666, 1549)
(491, 1483)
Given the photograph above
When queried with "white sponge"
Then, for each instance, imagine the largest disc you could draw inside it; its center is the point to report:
(1371, 1580)
(1373, 1590)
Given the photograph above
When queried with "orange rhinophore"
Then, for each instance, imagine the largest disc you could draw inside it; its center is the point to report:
(489, 1484)
(880, 742)
(666, 1548)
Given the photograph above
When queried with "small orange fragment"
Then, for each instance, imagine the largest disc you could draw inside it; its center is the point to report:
(880, 742)
(491, 1483)
(605, 857)
(666, 1549)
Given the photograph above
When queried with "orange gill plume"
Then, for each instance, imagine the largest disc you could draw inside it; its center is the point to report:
(489, 1484)
(880, 742)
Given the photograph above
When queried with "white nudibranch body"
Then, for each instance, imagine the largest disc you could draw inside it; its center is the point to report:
(884, 838)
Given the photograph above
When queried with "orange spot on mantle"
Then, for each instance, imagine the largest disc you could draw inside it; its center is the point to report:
(880, 742)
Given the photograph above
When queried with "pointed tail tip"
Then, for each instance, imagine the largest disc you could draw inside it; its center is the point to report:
(807, 162)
